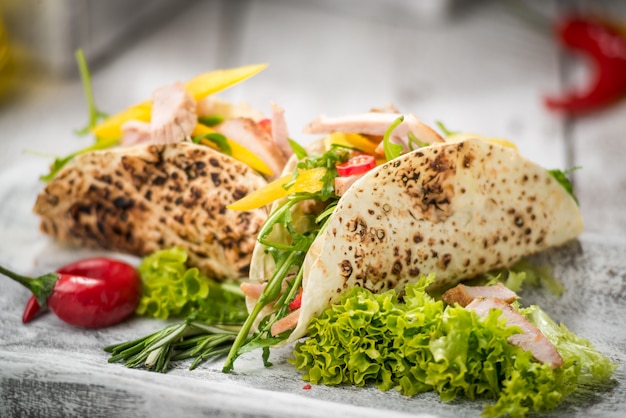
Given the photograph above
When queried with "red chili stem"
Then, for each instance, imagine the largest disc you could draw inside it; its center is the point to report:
(41, 287)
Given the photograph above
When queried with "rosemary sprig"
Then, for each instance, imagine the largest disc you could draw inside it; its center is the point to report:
(175, 343)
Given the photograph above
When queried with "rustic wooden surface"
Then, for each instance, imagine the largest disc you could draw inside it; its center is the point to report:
(476, 66)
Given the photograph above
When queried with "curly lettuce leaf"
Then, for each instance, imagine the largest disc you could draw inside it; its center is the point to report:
(417, 344)
(168, 287)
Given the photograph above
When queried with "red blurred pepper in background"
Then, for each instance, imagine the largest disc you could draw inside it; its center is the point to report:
(604, 44)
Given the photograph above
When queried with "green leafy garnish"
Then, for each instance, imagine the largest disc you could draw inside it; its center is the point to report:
(418, 344)
(177, 342)
(214, 313)
(288, 254)
(60, 162)
(216, 138)
(413, 140)
(335, 155)
(561, 177)
(170, 289)
(298, 149)
(524, 273)
(210, 120)
(392, 151)
(94, 114)
(444, 129)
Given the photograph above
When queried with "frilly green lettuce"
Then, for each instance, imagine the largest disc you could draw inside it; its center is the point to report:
(169, 288)
(418, 344)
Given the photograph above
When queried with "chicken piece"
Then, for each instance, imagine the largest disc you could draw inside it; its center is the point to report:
(173, 116)
(249, 134)
(135, 132)
(376, 124)
(463, 294)
(286, 323)
(342, 184)
(280, 134)
(252, 290)
(531, 339)
(213, 106)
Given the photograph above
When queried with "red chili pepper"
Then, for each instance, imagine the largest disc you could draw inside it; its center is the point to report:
(296, 302)
(91, 293)
(603, 44)
(359, 164)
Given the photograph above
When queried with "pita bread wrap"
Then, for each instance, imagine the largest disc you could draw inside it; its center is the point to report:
(143, 198)
(456, 209)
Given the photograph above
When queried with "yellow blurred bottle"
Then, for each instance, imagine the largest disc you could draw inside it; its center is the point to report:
(7, 73)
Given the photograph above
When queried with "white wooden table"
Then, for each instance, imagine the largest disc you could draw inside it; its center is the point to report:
(482, 68)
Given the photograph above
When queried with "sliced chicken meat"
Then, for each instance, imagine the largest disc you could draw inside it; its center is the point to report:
(342, 184)
(252, 290)
(286, 323)
(135, 132)
(173, 116)
(280, 134)
(463, 294)
(531, 339)
(214, 106)
(376, 124)
(249, 134)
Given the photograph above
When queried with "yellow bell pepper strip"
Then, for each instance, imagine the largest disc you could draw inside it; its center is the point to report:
(457, 137)
(351, 140)
(199, 87)
(308, 181)
(237, 151)
(111, 128)
(212, 82)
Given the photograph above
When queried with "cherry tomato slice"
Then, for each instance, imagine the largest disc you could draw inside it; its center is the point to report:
(266, 125)
(296, 302)
(358, 164)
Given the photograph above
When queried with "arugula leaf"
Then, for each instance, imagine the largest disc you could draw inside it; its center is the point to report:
(60, 162)
(561, 177)
(414, 140)
(298, 149)
(445, 130)
(210, 120)
(94, 114)
(392, 150)
(216, 138)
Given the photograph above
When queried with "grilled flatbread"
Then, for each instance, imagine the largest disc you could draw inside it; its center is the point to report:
(455, 209)
(140, 199)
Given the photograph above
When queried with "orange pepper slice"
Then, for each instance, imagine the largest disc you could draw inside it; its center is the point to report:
(308, 181)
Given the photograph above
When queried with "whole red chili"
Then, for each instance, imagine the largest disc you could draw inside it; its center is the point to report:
(603, 44)
(92, 293)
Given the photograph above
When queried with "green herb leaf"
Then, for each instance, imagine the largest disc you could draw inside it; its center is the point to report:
(60, 162)
(298, 149)
(94, 114)
(413, 140)
(216, 138)
(210, 120)
(561, 177)
(445, 130)
(392, 151)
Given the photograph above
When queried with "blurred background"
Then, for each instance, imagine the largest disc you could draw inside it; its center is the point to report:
(479, 66)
